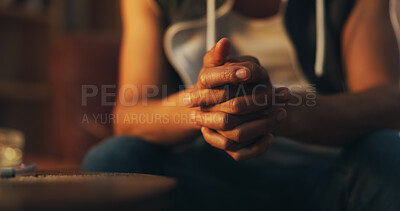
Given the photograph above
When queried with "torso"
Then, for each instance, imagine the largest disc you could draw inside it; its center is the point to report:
(265, 38)
(262, 35)
(185, 24)
(257, 8)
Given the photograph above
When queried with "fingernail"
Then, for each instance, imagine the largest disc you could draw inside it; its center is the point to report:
(281, 116)
(186, 100)
(243, 73)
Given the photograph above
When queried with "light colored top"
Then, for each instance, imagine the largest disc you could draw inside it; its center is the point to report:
(267, 40)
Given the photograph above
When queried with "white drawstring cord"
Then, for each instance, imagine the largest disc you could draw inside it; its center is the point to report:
(321, 39)
(393, 11)
(211, 24)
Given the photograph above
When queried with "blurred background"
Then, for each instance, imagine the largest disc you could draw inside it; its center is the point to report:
(49, 49)
(43, 44)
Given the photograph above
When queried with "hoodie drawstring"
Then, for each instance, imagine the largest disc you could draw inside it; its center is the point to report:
(211, 24)
(321, 39)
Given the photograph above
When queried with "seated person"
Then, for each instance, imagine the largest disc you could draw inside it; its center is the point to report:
(320, 93)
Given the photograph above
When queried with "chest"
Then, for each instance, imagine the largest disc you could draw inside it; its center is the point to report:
(257, 8)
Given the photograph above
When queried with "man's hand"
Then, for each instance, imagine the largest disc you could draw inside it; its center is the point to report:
(242, 137)
(241, 101)
(236, 99)
(217, 71)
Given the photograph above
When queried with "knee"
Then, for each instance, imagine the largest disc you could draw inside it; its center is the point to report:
(379, 144)
(124, 154)
(377, 152)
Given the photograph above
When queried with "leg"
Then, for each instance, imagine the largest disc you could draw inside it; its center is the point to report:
(192, 166)
(367, 177)
(125, 154)
(212, 180)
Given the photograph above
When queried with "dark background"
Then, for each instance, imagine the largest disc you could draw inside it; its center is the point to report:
(48, 49)
(28, 29)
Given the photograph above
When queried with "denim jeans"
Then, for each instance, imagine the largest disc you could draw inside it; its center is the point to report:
(363, 176)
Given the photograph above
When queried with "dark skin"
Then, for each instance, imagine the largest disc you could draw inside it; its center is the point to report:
(233, 123)
(372, 103)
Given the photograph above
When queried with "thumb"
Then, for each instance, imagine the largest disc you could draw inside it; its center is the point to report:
(218, 54)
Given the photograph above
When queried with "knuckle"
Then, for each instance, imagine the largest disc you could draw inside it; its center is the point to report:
(237, 135)
(236, 106)
(195, 95)
(227, 144)
(204, 96)
(202, 79)
(224, 94)
(224, 121)
(251, 65)
(228, 74)
(236, 156)
(230, 91)
(201, 93)
(214, 96)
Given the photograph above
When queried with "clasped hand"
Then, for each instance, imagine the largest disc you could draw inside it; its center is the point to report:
(238, 103)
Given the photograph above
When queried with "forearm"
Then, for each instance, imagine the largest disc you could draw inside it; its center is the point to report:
(370, 57)
(340, 119)
(161, 121)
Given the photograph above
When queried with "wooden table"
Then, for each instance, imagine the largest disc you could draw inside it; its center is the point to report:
(86, 191)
